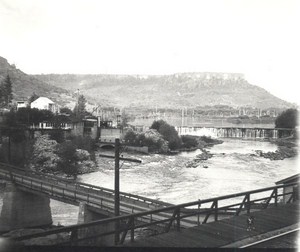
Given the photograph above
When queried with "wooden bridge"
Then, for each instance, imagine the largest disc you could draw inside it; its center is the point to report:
(237, 132)
(230, 232)
(99, 199)
(214, 222)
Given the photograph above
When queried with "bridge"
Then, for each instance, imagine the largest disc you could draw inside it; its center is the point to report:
(214, 222)
(236, 132)
(30, 190)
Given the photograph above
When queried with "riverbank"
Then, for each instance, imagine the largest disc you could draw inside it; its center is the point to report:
(287, 148)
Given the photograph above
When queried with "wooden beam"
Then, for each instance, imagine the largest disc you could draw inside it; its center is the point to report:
(121, 158)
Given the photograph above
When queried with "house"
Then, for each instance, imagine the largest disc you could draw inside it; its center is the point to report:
(45, 103)
(52, 125)
(289, 189)
(21, 104)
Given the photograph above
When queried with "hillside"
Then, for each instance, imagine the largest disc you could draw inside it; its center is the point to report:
(168, 91)
(24, 85)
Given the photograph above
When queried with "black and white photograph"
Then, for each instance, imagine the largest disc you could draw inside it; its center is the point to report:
(149, 125)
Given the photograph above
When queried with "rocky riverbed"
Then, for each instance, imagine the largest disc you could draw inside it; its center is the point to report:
(203, 142)
(281, 153)
(199, 158)
(287, 148)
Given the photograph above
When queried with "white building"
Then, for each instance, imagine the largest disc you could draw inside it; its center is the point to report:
(21, 104)
(45, 103)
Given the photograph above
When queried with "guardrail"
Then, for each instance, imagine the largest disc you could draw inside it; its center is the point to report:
(243, 204)
(83, 186)
(74, 193)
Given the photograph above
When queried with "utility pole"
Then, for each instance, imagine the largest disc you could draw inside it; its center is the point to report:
(9, 147)
(117, 188)
(117, 182)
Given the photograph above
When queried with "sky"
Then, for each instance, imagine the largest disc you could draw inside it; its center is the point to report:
(259, 38)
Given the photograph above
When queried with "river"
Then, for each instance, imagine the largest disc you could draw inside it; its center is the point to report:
(233, 168)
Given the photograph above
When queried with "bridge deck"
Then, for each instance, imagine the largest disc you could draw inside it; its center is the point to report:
(99, 198)
(227, 231)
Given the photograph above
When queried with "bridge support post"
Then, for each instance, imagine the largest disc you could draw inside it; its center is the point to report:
(86, 214)
(23, 209)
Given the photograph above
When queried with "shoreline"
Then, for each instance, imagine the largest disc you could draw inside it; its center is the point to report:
(286, 148)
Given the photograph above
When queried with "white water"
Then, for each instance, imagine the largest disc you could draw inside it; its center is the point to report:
(232, 169)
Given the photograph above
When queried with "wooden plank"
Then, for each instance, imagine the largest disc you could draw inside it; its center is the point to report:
(268, 219)
(224, 231)
(200, 236)
(177, 240)
(141, 243)
(237, 221)
(163, 240)
(203, 239)
(263, 226)
(265, 223)
(186, 238)
(288, 209)
(280, 214)
(278, 218)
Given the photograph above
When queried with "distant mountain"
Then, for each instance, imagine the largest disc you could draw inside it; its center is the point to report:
(168, 91)
(24, 85)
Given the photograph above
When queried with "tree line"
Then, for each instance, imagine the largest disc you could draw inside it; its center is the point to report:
(6, 95)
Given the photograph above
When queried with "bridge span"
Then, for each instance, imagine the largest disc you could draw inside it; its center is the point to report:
(214, 222)
(236, 132)
(28, 194)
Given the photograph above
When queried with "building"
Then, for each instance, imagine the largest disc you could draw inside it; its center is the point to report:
(86, 127)
(21, 104)
(45, 103)
(51, 125)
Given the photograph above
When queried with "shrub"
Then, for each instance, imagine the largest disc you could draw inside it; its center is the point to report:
(150, 138)
(57, 135)
(189, 141)
(168, 132)
(68, 158)
(44, 156)
(155, 141)
(85, 143)
(131, 137)
(207, 139)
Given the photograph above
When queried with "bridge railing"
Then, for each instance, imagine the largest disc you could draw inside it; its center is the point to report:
(74, 193)
(83, 186)
(244, 202)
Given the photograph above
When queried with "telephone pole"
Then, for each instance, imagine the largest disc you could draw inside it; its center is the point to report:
(117, 188)
(117, 182)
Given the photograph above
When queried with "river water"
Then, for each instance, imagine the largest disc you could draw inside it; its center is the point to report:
(233, 168)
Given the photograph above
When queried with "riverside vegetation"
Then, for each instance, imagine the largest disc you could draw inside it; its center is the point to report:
(50, 153)
(164, 139)
(73, 156)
